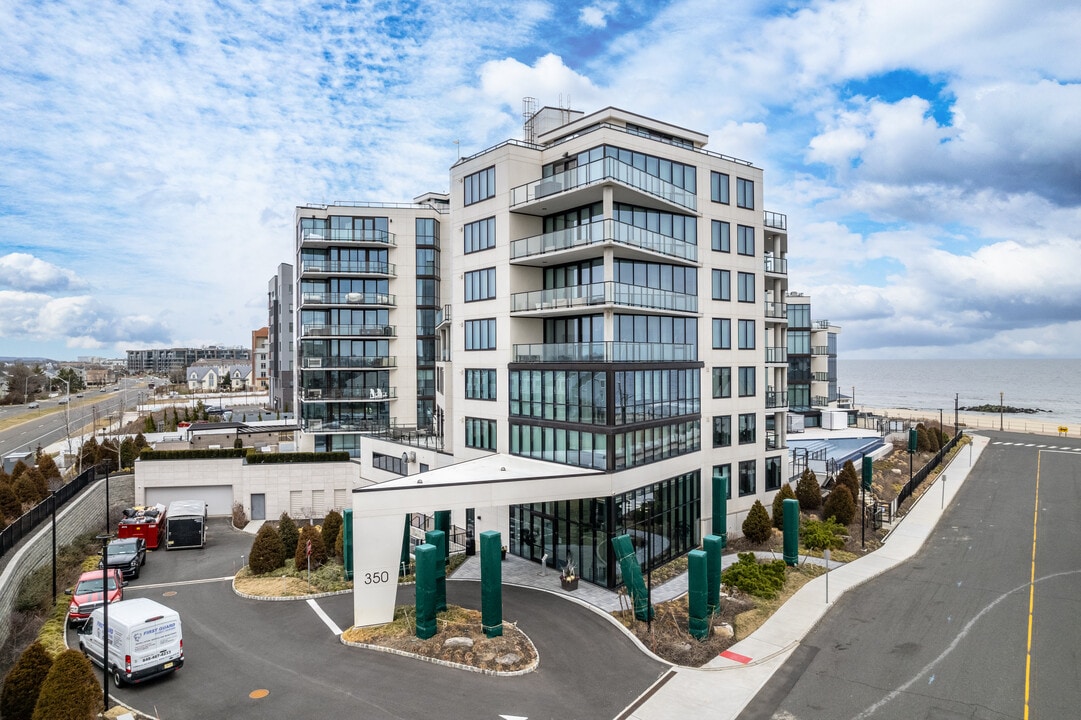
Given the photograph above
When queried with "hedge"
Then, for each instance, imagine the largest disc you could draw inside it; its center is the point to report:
(252, 456)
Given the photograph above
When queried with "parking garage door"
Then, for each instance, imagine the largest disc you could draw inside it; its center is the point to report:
(218, 498)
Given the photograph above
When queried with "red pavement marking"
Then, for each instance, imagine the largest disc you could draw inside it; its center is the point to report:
(735, 656)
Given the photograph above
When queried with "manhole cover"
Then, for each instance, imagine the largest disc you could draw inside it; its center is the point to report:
(258, 694)
(168, 593)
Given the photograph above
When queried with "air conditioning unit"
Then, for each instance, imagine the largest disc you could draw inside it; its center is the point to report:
(315, 362)
(315, 393)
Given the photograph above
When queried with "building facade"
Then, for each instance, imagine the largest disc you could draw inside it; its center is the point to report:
(280, 339)
(260, 359)
(176, 360)
(606, 295)
(812, 364)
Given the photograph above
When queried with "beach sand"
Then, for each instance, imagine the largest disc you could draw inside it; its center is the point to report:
(981, 421)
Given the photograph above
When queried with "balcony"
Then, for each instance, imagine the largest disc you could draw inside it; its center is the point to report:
(772, 440)
(348, 363)
(442, 317)
(776, 398)
(824, 377)
(602, 293)
(775, 220)
(606, 352)
(604, 170)
(349, 393)
(347, 330)
(602, 231)
(335, 235)
(345, 425)
(776, 265)
(777, 310)
(777, 355)
(820, 350)
(338, 267)
(308, 299)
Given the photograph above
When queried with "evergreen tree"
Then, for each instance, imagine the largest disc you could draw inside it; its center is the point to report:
(319, 550)
(849, 478)
(26, 490)
(934, 439)
(47, 466)
(839, 505)
(176, 419)
(922, 443)
(332, 527)
(41, 485)
(128, 452)
(140, 442)
(808, 492)
(756, 526)
(89, 454)
(18, 469)
(266, 551)
(70, 690)
(10, 507)
(778, 504)
(23, 683)
(287, 531)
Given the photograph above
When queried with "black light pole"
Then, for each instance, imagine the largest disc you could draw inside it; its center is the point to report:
(53, 503)
(104, 537)
(107, 497)
(649, 573)
(1000, 411)
(956, 419)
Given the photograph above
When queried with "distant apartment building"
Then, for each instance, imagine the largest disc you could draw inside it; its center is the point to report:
(260, 359)
(812, 362)
(176, 360)
(605, 295)
(280, 339)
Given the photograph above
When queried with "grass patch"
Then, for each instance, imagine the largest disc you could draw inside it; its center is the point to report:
(795, 577)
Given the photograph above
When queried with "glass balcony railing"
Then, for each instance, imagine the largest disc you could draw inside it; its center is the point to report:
(381, 393)
(775, 220)
(353, 298)
(607, 168)
(348, 330)
(776, 265)
(776, 398)
(599, 232)
(603, 293)
(347, 235)
(442, 316)
(337, 363)
(604, 352)
(776, 354)
(777, 310)
(339, 267)
(820, 350)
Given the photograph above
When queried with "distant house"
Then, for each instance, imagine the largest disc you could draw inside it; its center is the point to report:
(204, 377)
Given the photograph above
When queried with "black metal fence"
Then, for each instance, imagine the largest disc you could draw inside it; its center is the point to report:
(920, 475)
(28, 522)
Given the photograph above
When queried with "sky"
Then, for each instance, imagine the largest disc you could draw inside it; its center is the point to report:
(927, 154)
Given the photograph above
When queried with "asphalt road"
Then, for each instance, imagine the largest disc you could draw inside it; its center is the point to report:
(234, 647)
(946, 635)
(53, 426)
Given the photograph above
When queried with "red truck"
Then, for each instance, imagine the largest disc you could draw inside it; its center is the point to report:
(147, 523)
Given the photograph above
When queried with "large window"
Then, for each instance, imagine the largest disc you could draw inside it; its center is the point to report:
(479, 186)
(722, 334)
(745, 193)
(746, 334)
(480, 334)
(722, 431)
(722, 382)
(480, 384)
(718, 187)
(744, 240)
(724, 471)
(480, 433)
(680, 227)
(748, 434)
(722, 285)
(581, 448)
(480, 285)
(721, 236)
(746, 286)
(566, 395)
(746, 381)
(747, 479)
(773, 473)
(655, 275)
(647, 445)
(479, 235)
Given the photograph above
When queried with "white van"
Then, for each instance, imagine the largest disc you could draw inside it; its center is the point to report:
(145, 640)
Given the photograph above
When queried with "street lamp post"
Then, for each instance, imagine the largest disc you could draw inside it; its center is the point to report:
(1000, 411)
(104, 538)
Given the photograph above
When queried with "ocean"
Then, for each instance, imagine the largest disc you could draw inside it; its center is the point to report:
(1050, 385)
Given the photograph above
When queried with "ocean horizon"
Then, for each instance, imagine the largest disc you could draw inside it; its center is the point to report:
(1050, 386)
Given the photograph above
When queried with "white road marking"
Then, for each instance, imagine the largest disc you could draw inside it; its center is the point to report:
(185, 582)
(324, 617)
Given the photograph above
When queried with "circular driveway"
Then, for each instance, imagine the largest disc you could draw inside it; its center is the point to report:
(235, 648)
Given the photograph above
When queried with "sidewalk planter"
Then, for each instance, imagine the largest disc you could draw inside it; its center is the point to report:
(569, 583)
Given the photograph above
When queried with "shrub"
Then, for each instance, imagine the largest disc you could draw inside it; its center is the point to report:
(922, 443)
(238, 443)
(70, 691)
(319, 550)
(23, 683)
(266, 551)
(287, 531)
(339, 544)
(808, 492)
(785, 493)
(26, 490)
(332, 527)
(849, 478)
(240, 517)
(822, 534)
(762, 580)
(756, 526)
(47, 466)
(9, 503)
(839, 505)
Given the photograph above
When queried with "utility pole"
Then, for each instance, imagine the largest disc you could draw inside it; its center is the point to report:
(1000, 410)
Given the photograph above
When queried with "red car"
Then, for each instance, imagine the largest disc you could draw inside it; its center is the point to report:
(87, 594)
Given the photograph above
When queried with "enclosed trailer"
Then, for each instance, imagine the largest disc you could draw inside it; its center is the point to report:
(185, 524)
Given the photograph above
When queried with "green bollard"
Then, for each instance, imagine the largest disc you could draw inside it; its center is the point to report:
(347, 542)
(491, 583)
(720, 508)
(442, 522)
(713, 545)
(632, 576)
(439, 540)
(428, 561)
(698, 608)
(791, 531)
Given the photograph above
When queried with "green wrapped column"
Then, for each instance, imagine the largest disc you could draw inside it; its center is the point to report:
(713, 545)
(491, 583)
(439, 540)
(403, 560)
(791, 531)
(697, 605)
(632, 576)
(720, 508)
(442, 522)
(347, 542)
(428, 562)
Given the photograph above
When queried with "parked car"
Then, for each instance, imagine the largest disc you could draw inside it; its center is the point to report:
(78, 395)
(62, 401)
(126, 555)
(33, 405)
(88, 594)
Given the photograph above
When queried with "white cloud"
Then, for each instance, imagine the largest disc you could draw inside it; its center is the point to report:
(596, 15)
(22, 271)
